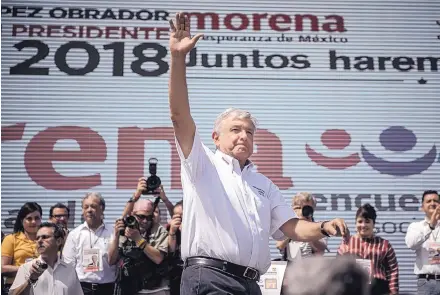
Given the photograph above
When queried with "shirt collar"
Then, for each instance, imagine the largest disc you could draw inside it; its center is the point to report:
(86, 226)
(232, 162)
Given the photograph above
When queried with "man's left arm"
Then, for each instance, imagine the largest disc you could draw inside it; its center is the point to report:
(160, 249)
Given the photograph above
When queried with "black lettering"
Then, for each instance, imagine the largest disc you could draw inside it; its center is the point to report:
(358, 200)
(334, 59)
(406, 200)
(334, 201)
(256, 59)
(393, 227)
(320, 199)
(161, 53)
(192, 58)
(400, 61)
(71, 206)
(284, 61)
(6, 9)
(76, 13)
(34, 12)
(243, 60)
(92, 58)
(391, 203)
(300, 61)
(19, 11)
(125, 14)
(403, 227)
(364, 63)
(91, 13)
(24, 68)
(323, 39)
(161, 15)
(140, 13)
(434, 61)
(108, 13)
(57, 12)
(205, 61)
(304, 39)
(382, 60)
(118, 57)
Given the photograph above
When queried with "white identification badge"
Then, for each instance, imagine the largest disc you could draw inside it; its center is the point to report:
(434, 252)
(365, 264)
(92, 260)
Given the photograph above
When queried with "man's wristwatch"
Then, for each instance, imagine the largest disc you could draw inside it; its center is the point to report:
(32, 281)
(431, 227)
(323, 230)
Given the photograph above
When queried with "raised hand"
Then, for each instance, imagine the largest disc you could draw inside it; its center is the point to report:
(175, 224)
(337, 227)
(180, 38)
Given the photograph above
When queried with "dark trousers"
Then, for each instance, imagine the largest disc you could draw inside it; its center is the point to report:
(380, 287)
(97, 289)
(203, 280)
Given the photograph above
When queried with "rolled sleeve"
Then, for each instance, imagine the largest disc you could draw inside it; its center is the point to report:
(194, 163)
(281, 212)
(20, 277)
(161, 242)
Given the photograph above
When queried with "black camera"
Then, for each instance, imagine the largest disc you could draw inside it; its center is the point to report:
(130, 222)
(153, 181)
(307, 212)
(42, 266)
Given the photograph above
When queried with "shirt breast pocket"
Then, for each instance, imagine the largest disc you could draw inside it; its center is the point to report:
(263, 210)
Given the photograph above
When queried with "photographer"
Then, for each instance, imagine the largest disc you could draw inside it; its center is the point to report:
(304, 205)
(140, 245)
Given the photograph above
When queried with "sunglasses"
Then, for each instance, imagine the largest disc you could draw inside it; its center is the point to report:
(144, 217)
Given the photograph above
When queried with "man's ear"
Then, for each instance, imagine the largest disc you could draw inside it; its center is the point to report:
(215, 137)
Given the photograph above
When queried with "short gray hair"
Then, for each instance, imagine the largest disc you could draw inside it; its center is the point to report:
(236, 114)
(97, 195)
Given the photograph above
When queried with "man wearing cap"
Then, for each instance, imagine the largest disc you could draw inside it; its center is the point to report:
(230, 210)
(141, 248)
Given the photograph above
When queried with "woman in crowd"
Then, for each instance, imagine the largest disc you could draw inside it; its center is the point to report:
(21, 246)
(375, 254)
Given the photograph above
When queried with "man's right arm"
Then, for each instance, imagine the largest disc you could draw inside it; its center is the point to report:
(416, 235)
(21, 284)
(180, 44)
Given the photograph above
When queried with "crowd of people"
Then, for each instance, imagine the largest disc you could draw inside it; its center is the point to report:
(218, 242)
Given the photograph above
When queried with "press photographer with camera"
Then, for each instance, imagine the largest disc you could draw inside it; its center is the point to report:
(48, 274)
(304, 205)
(139, 246)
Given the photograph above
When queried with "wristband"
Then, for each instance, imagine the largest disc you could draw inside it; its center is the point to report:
(140, 242)
(323, 230)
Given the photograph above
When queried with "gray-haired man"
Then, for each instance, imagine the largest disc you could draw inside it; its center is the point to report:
(230, 210)
(92, 238)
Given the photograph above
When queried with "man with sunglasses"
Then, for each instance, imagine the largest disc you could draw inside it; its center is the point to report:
(47, 274)
(141, 249)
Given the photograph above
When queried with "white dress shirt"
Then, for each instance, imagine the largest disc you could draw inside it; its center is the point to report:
(229, 213)
(82, 237)
(418, 237)
(59, 280)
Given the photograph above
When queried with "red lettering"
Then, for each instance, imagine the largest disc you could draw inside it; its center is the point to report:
(111, 30)
(146, 31)
(269, 158)
(162, 33)
(276, 19)
(336, 26)
(299, 21)
(244, 21)
(36, 31)
(53, 30)
(256, 17)
(18, 29)
(40, 155)
(91, 30)
(131, 164)
(13, 132)
(201, 18)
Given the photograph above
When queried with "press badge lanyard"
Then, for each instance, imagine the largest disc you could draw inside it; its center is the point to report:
(97, 238)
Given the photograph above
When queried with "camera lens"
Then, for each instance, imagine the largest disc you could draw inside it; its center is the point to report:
(307, 211)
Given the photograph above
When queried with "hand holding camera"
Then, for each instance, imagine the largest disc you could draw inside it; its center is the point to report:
(37, 269)
(175, 223)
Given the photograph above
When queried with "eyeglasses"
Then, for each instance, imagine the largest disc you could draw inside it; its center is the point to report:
(59, 216)
(144, 217)
(44, 237)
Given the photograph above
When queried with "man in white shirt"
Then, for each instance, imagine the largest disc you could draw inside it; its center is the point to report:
(90, 239)
(230, 211)
(424, 238)
(47, 275)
